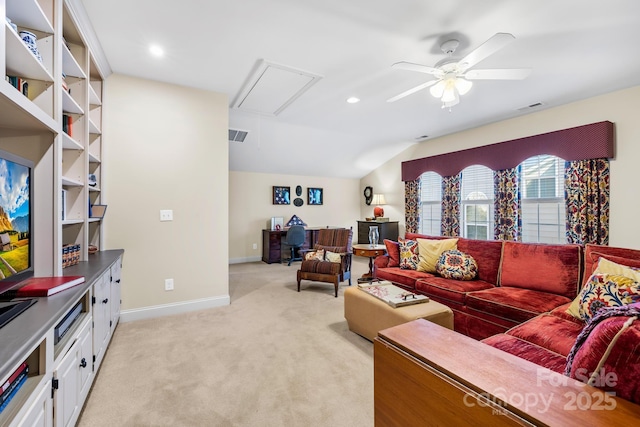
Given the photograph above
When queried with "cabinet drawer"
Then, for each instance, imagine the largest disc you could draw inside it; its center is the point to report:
(368, 252)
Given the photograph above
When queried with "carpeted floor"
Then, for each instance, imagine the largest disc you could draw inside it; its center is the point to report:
(273, 357)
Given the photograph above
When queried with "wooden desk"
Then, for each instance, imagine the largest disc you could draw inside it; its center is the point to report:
(272, 243)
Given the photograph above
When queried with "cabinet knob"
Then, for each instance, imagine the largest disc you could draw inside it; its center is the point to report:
(83, 363)
(118, 281)
(106, 300)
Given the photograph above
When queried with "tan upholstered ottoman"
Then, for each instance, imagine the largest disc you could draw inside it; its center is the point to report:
(366, 314)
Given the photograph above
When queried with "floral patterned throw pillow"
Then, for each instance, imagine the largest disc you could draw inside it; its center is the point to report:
(456, 265)
(408, 254)
(606, 290)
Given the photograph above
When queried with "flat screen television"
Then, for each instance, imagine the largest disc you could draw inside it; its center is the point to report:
(16, 228)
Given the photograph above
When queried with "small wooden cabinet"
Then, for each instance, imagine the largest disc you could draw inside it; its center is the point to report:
(387, 230)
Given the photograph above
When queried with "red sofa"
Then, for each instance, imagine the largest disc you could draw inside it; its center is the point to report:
(518, 303)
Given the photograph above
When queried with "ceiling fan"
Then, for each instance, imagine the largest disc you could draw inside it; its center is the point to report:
(453, 76)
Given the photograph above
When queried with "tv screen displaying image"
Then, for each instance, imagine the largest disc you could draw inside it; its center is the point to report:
(15, 220)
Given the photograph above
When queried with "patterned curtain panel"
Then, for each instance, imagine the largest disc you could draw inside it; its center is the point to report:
(507, 207)
(412, 206)
(451, 205)
(587, 200)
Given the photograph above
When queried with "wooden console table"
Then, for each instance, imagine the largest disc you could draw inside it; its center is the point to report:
(427, 375)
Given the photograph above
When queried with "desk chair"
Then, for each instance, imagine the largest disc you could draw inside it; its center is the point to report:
(295, 238)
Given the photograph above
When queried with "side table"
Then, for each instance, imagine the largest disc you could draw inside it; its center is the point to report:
(370, 251)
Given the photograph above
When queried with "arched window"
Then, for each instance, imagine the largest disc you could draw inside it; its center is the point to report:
(543, 207)
(431, 201)
(477, 202)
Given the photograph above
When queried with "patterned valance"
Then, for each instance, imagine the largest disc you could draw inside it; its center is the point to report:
(593, 141)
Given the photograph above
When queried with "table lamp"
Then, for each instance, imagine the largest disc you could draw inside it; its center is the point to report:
(378, 199)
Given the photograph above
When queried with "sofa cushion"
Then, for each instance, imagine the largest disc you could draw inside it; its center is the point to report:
(457, 265)
(547, 268)
(528, 351)
(321, 267)
(393, 251)
(452, 290)
(516, 304)
(606, 353)
(551, 332)
(429, 252)
(487, 254)
(408, 254)
(406, 278)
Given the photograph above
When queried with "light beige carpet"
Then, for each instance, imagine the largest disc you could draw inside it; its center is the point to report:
(273, 357)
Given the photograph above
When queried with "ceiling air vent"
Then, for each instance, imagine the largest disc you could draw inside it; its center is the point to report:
(236, 135)
(532, 106)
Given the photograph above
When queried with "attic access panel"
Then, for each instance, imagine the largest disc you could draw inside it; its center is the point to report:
(273, 87)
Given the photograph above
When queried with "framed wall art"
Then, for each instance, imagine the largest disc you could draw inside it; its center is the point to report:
(314, 196)
(281, 195)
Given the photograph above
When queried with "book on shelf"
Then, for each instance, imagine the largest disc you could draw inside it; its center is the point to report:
(13, 377)
(46, 286)
(394, 295)
(13, 392)
(14, 383)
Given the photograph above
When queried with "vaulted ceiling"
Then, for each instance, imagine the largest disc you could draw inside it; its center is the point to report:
(575, 48)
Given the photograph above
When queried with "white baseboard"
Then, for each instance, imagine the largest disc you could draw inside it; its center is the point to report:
(174, 308)
(245, 259)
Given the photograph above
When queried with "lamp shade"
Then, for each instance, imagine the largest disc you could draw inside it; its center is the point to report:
(378, 199)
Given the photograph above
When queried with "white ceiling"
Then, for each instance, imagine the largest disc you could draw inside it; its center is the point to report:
(576, 49)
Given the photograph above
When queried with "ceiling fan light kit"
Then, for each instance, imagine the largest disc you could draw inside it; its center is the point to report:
(453, 76)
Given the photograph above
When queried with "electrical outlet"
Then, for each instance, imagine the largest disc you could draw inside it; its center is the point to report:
(255, 246)
(168, 284)
(166, 215)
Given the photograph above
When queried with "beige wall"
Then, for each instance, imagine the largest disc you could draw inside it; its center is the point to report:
(250, 207)
(166, 148)
(620, 107)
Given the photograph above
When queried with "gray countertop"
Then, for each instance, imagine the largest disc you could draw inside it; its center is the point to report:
(23, 333)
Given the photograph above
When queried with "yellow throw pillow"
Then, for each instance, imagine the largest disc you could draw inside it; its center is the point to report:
(429, 252)
(606, 266)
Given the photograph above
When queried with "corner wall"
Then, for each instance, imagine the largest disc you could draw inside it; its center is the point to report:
(166, 148)
(619, 107)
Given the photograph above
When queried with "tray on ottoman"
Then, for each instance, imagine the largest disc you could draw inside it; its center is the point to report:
(366, 314)
(391, 294)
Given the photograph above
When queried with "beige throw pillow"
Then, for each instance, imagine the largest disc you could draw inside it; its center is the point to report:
(333, 257)
(429, 252)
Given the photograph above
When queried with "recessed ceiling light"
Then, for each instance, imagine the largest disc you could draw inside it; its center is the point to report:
(353, 100)
(156, 50)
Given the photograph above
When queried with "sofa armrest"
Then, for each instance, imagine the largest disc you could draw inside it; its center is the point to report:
(418, 366)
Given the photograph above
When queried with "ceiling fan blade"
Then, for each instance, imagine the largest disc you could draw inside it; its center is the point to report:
(491, 46)
(498, 74)
(415, 67)
(413, 90)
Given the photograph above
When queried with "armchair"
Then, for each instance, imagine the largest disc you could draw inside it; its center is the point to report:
(336, 241)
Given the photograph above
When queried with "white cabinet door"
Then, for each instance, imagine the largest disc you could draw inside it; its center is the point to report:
(85, 365)
(66, 396)
(40, 414)
(116, 283)
(101, 317)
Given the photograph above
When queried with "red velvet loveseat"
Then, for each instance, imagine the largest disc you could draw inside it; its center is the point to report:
(518, 303)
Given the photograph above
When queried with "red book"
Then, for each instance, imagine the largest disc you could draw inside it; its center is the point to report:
(13, 377)
(45, 286)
